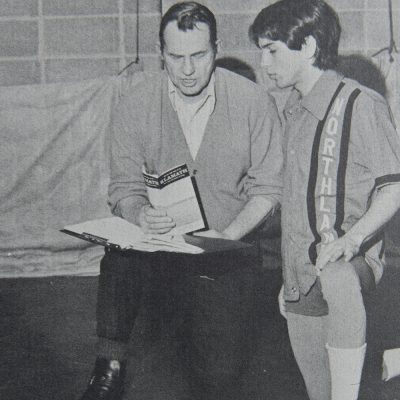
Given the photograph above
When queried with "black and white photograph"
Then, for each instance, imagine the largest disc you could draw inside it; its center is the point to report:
(200, 200)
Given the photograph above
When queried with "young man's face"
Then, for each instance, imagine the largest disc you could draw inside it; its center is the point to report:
(189, 58)
(283, 65)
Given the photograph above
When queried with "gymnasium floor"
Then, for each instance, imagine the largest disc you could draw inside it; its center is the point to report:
(47, 342)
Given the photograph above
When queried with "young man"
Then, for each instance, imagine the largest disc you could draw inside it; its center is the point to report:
(226, 129)
(341, 185)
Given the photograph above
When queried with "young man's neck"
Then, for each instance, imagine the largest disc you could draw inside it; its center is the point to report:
(308, 79)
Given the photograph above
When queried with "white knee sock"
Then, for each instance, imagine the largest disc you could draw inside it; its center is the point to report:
(346, 368)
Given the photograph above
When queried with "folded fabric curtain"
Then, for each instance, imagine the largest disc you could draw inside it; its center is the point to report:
(54, 172)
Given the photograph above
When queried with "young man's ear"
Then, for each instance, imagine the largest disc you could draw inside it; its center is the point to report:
(309, 47)
(218, 44)
(158, 49)
(160, 53)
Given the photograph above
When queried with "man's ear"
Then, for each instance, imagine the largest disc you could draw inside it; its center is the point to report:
(309, 47)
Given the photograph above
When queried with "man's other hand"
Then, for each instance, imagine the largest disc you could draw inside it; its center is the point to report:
(212, 233)
(154, 221)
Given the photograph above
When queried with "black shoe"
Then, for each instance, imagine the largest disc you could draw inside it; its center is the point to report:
(107, 381)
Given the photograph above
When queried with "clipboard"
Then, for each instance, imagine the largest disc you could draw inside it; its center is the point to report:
(101, 232)
(92, 239)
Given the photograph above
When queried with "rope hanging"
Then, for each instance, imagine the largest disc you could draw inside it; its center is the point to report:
(392, 44)
(137, 32)
(137, 59)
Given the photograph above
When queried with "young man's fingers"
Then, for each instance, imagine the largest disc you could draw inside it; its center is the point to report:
(330, 255)
(336, 254)
(323, 259)
(349, 254)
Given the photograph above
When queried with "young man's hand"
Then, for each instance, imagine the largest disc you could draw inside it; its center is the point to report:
(154, 221)
(347, 246)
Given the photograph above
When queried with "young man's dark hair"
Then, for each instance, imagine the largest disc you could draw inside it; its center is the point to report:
(187, 15)
(291, 21)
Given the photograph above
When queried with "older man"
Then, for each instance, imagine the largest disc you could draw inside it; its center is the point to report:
(226, 129)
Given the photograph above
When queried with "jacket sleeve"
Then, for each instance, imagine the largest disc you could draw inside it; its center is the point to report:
(376, 135)
(127, 192)
(264, 177)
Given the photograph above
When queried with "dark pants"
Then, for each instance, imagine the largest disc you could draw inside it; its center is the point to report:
(214, 295)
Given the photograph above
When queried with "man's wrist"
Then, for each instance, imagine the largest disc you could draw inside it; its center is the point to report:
(231, 234)
(356, 237)
(130, 210)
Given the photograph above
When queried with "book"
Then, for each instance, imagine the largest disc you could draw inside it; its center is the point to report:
(117, 233)
(176, 192)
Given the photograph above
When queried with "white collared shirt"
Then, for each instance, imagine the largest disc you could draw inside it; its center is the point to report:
(193, 117)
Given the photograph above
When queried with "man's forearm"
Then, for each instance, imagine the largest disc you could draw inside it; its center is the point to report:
(384, 206)
(257, 209)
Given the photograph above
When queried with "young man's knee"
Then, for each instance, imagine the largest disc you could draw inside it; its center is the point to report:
(339, 277)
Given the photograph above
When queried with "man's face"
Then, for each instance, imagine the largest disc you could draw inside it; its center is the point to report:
(283, 65)
(188, 58)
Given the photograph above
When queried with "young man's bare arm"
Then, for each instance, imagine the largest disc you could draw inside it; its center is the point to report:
(383, 208)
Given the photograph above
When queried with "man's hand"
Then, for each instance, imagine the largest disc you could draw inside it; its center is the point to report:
(212, 233)
(154, 221)
(282, 304)
(347, 246)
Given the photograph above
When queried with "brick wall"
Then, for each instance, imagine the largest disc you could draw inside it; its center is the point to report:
(66, 40)
(62, 40)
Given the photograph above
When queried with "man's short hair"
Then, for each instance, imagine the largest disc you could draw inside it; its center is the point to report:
(187, 15)
(291, 21)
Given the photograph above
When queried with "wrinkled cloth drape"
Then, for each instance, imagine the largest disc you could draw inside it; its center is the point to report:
(54, 172)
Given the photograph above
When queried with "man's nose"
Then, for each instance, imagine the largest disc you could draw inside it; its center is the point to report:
(188, 66)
